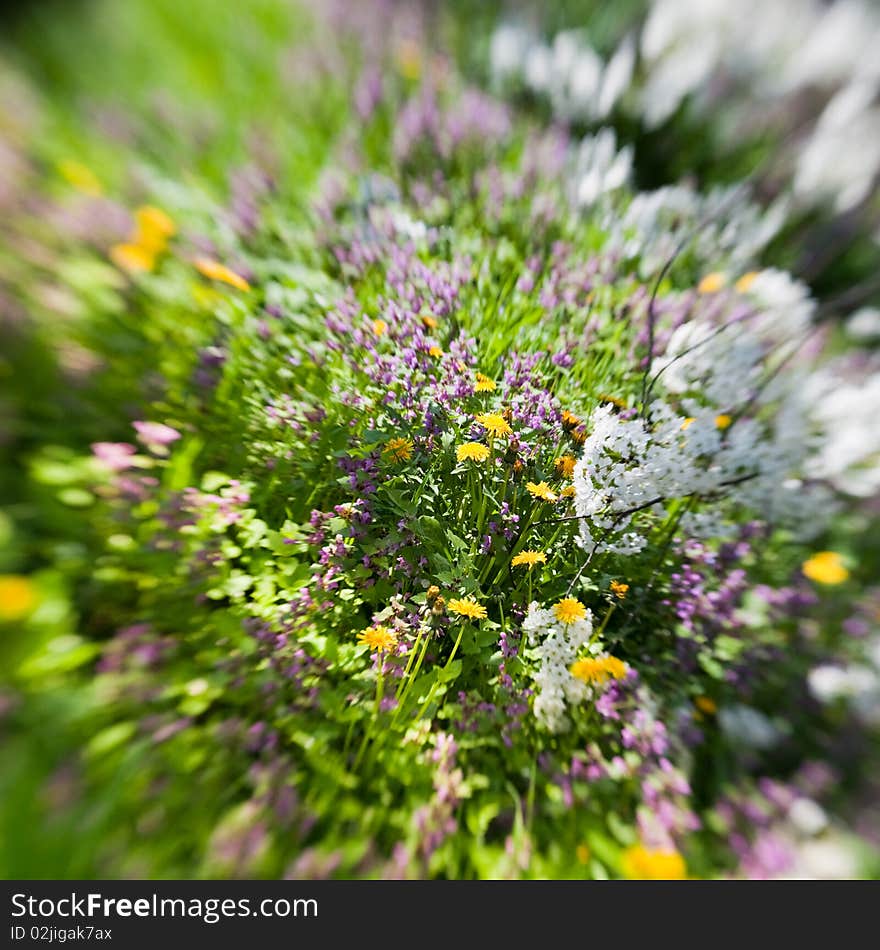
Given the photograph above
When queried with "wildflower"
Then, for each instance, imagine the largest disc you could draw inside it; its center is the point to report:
(643, 864)
(745, 282)
(712, 283)
(564, 466)
(599, 669)
(409, 59)
(541, 490)
(155, 435)
(612, 400)
(214, 270)
(430, 322)
(688, 423)
(529, 558)
(723, 421)
(132, 258)
(619, 589)
(569, 610)
(153, 228)
(494, 423)
(432, 593)
(380, 327)
(80, 177)
(116, 456)
(826, 567)
(568, 492)
(484, 384)
(582, 853)
(472, 452)
(570, 420)
(435, 351)
(18, 596)
(706, 705)
(400, 450)
(579, 435)
(468, 607)
(378, 638)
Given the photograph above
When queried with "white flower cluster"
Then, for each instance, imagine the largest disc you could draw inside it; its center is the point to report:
(857, 684)
(556, 648)
(760, 56)
(598, 168)
(569, 72)
(744, 426)
(721, 228)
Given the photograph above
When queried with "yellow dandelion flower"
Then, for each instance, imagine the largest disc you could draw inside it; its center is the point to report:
(706, 705)
(712, 283)
(613, 400)
(569, 610)
(435, 351)
(472, 452)
(153, 228)
(647, 864)
(826, 567)
(579, 435)
(468, 607)
(18, 596)
(567, 492)
(378, 638)
(400, 450)
(430, 322)
(80, 177)
(570, 420)
(723, 421)
(380, 327)
(214, 270)
(541, 490)
(132, 258)
(688, 423)
(484, 384)
(599, 669)
(529, 558)
(744, 284)
(564, 466)
(495, 424)
(619, 589)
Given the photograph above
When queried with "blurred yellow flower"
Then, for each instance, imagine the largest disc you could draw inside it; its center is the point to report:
(619, 589)
(484, 384)
(153, 228)
(214, 270)
(380, 327)
(723, 421)
(647, 864)
(706, 705)
(18, 596)
(132, 258)
(826, 567)
(599, 669)
(744, 284)
(712, 283)
(80, 177)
